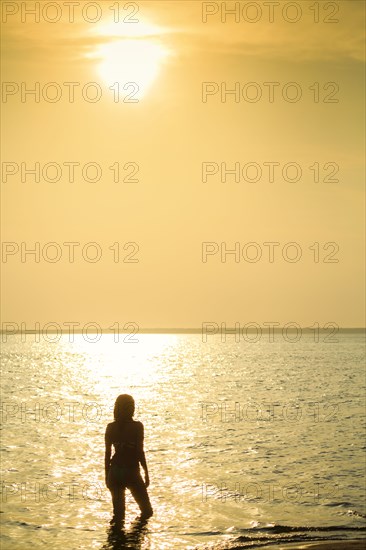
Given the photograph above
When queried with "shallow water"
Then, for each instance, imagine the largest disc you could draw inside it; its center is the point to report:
(246, 442)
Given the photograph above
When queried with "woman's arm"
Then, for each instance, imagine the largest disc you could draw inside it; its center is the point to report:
(141, 454)
(108, 452)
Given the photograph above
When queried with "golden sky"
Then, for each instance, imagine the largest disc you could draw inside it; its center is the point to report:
(164, 140)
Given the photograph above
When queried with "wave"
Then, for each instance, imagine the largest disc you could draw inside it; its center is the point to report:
(256, 537)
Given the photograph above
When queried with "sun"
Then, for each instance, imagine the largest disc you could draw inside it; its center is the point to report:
(136, 61)
(130, 56)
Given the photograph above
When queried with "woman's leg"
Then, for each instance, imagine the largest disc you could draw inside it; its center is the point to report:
(117, 489)
(139, 493)
(118, 500)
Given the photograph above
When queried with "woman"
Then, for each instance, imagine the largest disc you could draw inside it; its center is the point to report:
(123, 470)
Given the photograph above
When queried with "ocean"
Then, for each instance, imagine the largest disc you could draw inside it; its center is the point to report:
(247, 443)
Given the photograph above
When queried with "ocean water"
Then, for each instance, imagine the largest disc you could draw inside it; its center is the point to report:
(246, 443)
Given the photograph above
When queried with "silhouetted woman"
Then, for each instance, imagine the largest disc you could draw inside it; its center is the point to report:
(123, 470)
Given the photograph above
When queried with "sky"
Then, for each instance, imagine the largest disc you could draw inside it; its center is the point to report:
(225, 132)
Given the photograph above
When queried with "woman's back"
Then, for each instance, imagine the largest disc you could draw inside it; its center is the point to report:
(127, 439)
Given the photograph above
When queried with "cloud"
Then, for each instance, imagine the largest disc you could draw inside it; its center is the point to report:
(304, 40)
(183, 30)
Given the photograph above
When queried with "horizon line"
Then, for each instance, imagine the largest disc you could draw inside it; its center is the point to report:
(188, 330)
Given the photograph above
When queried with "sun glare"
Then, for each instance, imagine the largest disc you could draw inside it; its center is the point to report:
(129, 54)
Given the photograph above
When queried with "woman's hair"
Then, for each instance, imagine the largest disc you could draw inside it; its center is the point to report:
(124, 407)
